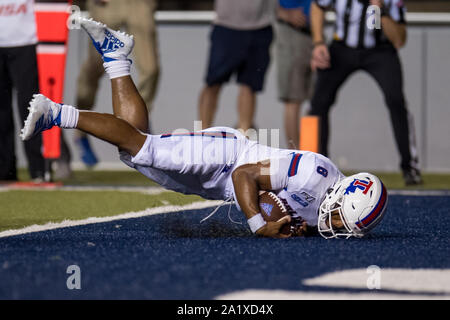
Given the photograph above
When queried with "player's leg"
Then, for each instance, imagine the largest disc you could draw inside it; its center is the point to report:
(112, 129)
(91, 72)
(128, 103)
(114, 47)
(44, 114)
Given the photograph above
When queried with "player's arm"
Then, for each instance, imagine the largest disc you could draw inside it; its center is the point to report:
(395, 31)
(248, 180)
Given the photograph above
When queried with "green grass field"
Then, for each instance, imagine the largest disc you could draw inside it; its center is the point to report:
(21, 208)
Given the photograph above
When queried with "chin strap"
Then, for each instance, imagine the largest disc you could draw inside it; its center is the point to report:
(228, 201)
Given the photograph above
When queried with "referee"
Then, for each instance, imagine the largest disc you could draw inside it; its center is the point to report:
(360, 44)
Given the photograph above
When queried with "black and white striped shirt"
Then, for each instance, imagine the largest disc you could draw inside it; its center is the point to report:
(353, 17)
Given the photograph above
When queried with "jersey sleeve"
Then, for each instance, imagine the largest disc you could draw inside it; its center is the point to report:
(279, 172)
(325, 4)
(397, 11)
(283, 169)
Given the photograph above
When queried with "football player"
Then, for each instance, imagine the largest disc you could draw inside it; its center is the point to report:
(218, 163)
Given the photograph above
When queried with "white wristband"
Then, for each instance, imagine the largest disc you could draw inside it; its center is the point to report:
(256, 222)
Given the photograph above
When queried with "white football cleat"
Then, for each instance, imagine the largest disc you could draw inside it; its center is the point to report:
(112, 45)
(44, 114)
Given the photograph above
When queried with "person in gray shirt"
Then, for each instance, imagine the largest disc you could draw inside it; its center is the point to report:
(240, 42)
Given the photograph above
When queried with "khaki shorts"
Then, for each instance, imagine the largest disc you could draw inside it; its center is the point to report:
(293, 55)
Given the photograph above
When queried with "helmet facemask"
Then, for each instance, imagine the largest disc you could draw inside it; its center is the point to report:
(329, 209)
(359, 201)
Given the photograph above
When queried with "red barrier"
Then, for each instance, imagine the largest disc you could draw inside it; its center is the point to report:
(52, 33)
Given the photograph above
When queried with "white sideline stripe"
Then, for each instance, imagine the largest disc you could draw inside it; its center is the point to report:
(411, 280)
(405, 284)
(130, 215)
(306, 295)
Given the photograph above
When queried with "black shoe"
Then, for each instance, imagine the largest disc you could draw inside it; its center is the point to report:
(412, 177)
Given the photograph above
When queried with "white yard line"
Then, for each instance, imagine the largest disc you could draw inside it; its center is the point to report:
(259, 294)
(401, 284)
(130, 215)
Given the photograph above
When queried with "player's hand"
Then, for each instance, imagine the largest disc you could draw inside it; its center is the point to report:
(303, 230)
(272, 229)
(297, 18)
(320, 57)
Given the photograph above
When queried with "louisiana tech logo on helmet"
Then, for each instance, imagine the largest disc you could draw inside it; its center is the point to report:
(359, 184)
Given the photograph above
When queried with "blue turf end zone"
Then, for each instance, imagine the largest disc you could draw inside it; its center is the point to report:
(173, 256)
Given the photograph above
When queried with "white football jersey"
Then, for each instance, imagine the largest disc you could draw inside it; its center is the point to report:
(301, 178)
(202, 162)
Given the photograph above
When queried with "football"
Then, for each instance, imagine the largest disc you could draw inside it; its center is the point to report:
(273, 209)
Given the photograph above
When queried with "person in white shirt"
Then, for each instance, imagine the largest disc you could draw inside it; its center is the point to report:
(18, 70)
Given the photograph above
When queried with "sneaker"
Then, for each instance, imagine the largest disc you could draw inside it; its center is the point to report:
(44, 114)
(412, 177)
(112, 45)
(87, 154)
(38, 180)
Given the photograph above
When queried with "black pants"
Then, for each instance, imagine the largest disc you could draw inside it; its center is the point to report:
(18, 70)
(383, 64)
